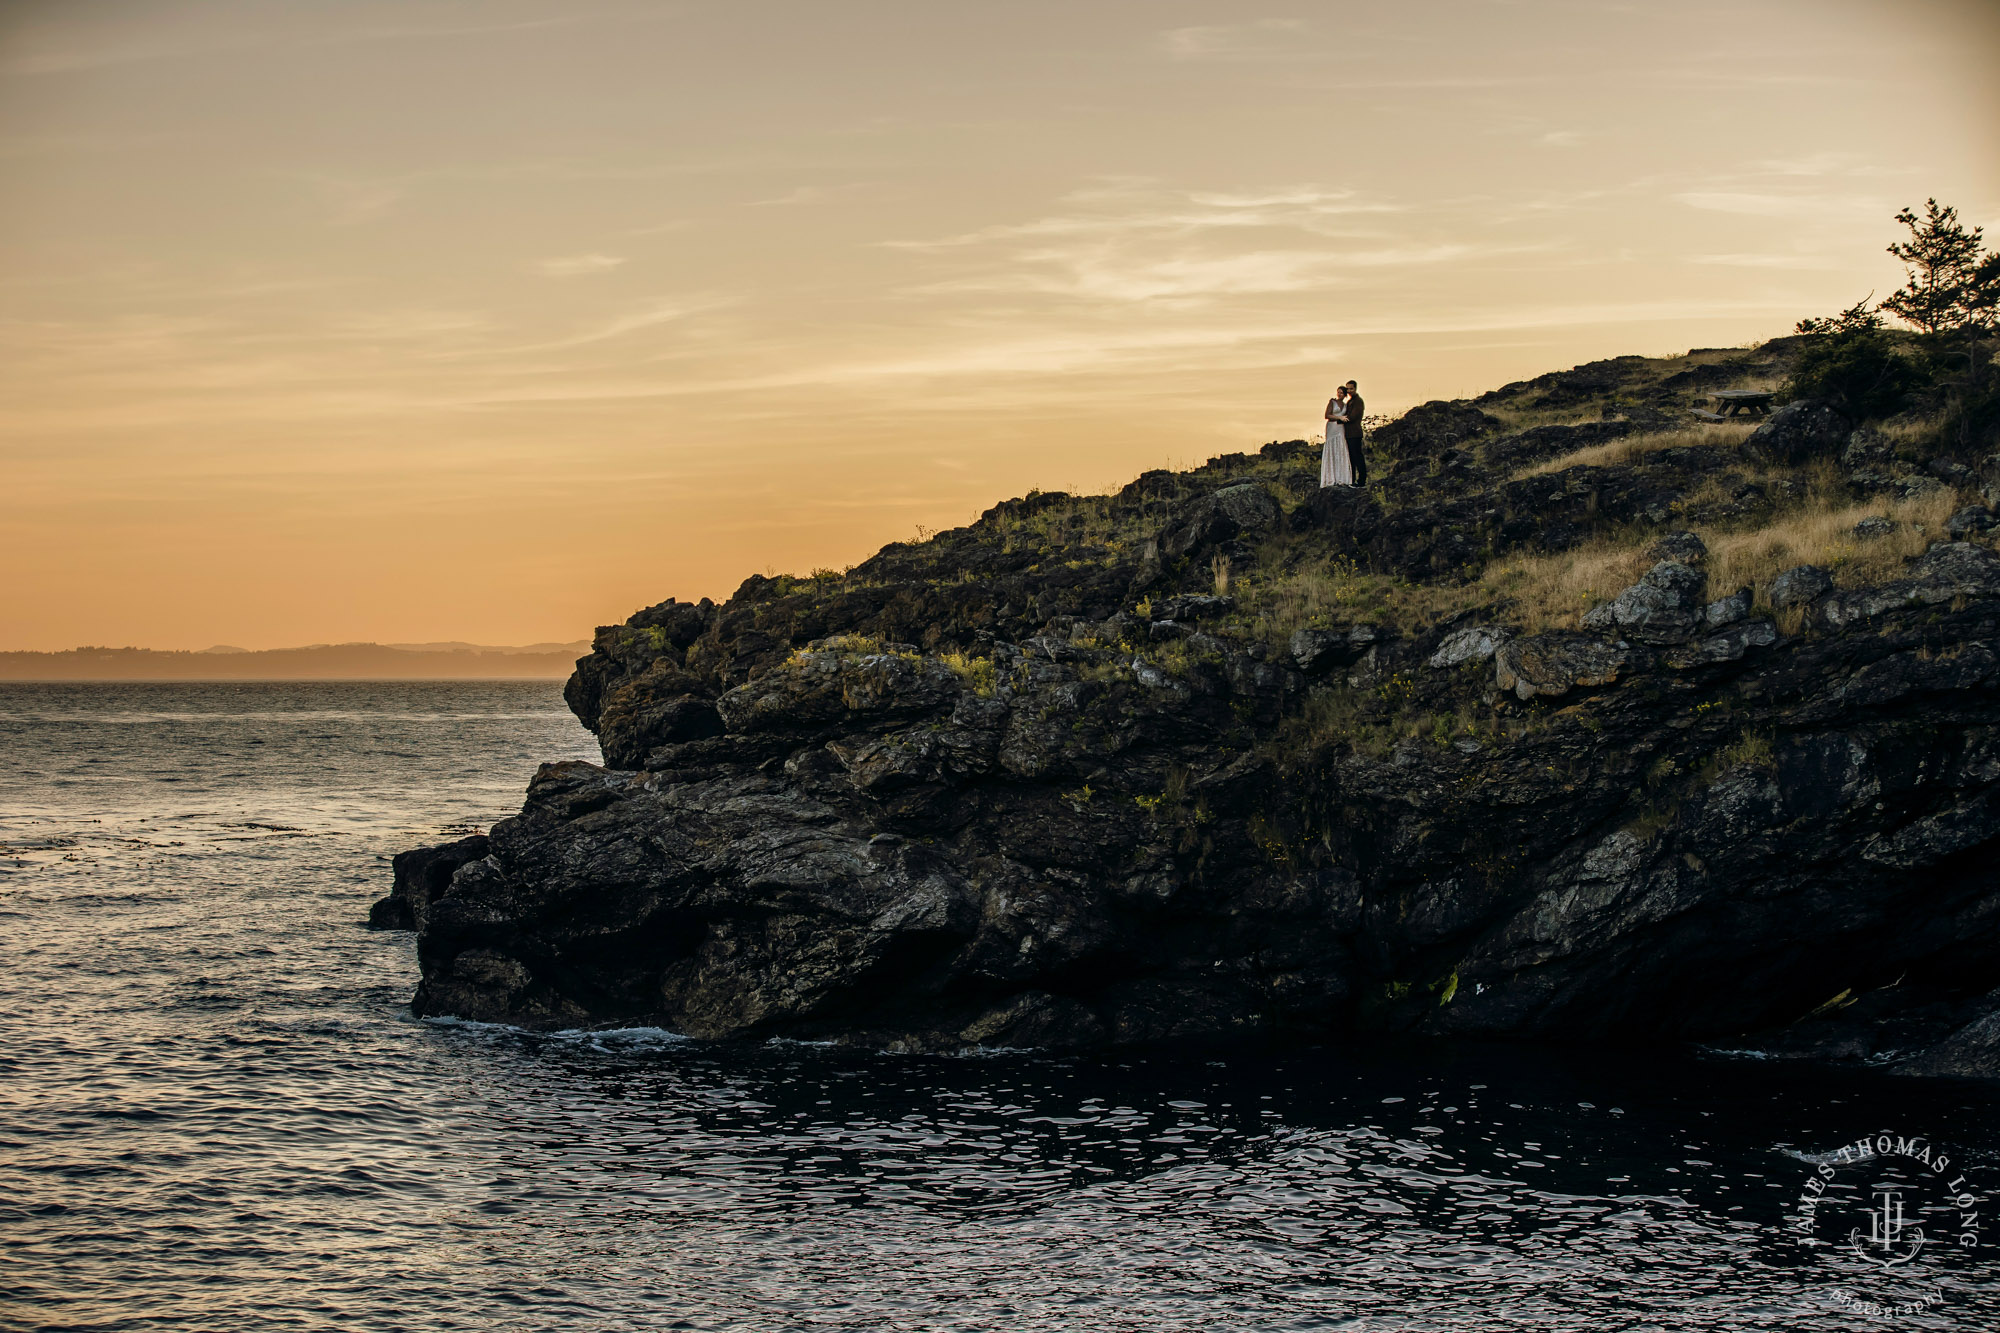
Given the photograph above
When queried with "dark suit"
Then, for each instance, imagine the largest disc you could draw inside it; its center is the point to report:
(1352, 429)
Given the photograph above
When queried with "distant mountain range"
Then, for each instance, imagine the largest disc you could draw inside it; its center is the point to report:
(320, 661)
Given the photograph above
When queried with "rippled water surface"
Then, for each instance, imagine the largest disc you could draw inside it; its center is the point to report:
(217, 1113)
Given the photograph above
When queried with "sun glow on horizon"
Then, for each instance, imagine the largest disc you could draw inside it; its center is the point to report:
(493, 321)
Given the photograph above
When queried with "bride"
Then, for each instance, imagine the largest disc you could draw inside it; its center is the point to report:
(1335, 468)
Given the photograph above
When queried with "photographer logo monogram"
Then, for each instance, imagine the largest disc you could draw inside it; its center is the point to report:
(1888, 1214)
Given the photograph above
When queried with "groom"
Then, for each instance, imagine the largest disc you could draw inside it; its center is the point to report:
(1352, 429)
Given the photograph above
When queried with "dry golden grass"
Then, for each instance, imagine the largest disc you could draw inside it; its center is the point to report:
(1634, 447)
(1330, 590)
(1822, 533)
(1514, 419)
(1923, 430)
(1553, 591)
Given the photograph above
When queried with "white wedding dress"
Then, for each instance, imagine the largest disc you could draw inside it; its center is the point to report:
(1335, 467)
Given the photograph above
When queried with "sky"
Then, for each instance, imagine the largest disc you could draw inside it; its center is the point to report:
(495, 320)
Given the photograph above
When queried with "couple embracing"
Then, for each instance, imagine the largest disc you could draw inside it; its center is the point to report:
(1341, 461)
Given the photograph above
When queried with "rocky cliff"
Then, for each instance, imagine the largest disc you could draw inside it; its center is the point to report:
(1578, 725)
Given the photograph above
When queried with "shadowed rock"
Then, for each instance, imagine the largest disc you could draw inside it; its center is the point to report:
(1874, 526)
(1728, 610)
(1665, 606)
(1684, 547)
(420, 877)
(1969, 520)
(1799, 586)
(1318, 651)
(1798, 433)
(1473, 644)
(966, 795)
(1556, 662)
(1219, 517)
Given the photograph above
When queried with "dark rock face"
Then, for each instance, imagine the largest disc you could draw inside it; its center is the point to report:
(1728, 610)
(421, 877)
(1874, 526)
(1195, 607)
(874, 850)
(1318, 651)
(1971, 519)
(1947, 573)
(1797, 587)
(1434, 427)
(978, 795)
(1557, 662)
(1666, 606)
(1683, 547)
(1800, 432)
(1218, 518)
(1475, 643)
(1867, 449)
(1969, 1048)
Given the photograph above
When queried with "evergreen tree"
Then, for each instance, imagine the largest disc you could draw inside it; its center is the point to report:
(1857, 318)
(1852, 361)
(1942, 260)
(1982, 297)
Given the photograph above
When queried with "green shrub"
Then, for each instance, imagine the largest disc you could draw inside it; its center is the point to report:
(1853, 361)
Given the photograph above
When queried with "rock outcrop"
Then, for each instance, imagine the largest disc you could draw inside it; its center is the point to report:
(422, 876)
(1798, 433)
(1039, 782)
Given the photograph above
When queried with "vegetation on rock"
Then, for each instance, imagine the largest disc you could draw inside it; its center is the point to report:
(1579, 720)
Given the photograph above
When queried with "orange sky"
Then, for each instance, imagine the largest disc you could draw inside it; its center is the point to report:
(496, 319)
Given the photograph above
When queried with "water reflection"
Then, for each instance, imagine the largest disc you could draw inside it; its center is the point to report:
(216, 1111)
(1469, 1189)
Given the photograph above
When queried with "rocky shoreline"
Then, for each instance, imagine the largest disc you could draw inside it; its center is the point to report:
(1226, 757)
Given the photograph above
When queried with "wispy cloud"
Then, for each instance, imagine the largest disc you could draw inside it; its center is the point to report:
(1135, 208)
(805, 194)
(74, 144)
(353, 200)
(1115, 273)
(52, 51)
(636, 320)
(1124, 242)
(1264, 39)
(1767, 261)
(1758, 204)
(1820, 164)
(410, 325)
(572, 266)
(393, 33)
(987, 363)
(46, 54)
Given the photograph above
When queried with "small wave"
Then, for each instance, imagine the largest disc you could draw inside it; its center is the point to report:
(1746, 1053)
(471, 1024)
(988, 1052)
(622, 1038)
(602, 1039)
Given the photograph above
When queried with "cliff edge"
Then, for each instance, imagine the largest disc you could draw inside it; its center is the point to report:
(1584, 722)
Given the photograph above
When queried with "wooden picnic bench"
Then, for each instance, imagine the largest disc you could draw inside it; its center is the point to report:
(1737, 402)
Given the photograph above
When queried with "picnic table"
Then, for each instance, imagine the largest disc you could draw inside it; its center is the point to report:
(1737, 402)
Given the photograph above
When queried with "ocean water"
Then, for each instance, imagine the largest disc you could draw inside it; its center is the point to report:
(216, 1111)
